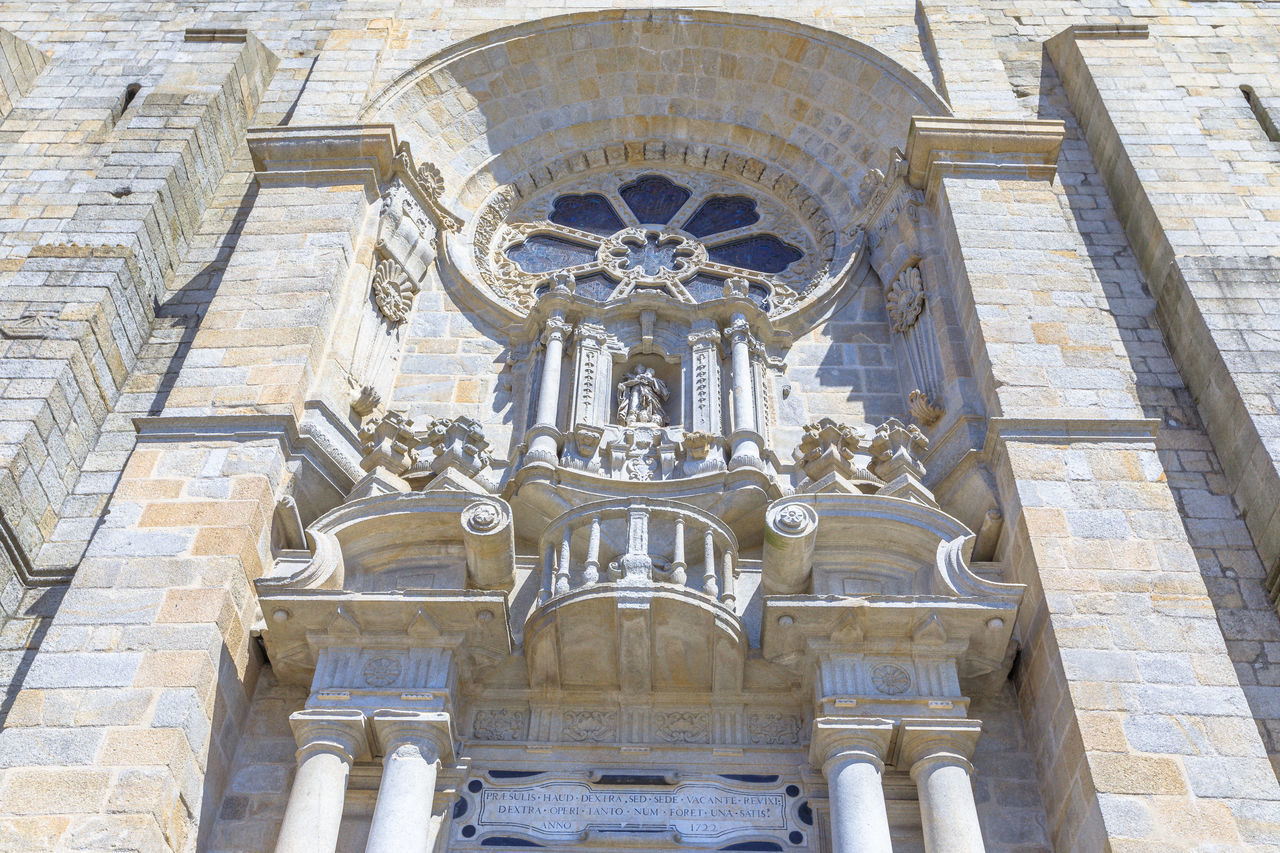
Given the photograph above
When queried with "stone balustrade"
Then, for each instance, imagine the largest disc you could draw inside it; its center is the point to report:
(637, 543)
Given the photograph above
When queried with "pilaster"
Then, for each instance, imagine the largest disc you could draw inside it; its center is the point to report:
(1068, 423)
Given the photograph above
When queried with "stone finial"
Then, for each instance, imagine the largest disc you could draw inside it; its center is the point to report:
(389, 442)
(895, 448)
(459, 452)
(828, 454)
(389, 446)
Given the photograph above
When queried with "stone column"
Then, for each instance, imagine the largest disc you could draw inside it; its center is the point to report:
(850, 751)
(328, 743)
(545, 435)
(938, 753)
(413, 744)
(745, 438)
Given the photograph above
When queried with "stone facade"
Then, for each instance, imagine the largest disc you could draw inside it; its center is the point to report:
(782, 426)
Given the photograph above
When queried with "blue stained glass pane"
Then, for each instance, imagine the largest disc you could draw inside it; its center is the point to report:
(586, 212)
(722, 213)
(545, 253)
(759, 295)
(654, 199)
(765, 253)
(704, 288)
(597, 287)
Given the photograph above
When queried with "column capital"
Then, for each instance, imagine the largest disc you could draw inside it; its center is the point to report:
(927, 741)
(852, 738)
(556, 328)
(340, 731)
(431, 731)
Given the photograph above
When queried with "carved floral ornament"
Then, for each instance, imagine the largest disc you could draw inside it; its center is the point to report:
(393, 291)
(905, 299)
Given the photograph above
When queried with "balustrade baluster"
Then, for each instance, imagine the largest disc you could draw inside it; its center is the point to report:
(547, 559)
(637, 565)
(562, 568)
(729, 594)
(591, 573)
(678, 575)
(709, 585)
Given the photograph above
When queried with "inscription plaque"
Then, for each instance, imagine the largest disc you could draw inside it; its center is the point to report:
(703, 812)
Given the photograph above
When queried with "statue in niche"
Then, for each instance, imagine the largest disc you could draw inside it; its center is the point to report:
(640, 398)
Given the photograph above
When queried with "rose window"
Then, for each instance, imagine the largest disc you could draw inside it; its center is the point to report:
(686, 236)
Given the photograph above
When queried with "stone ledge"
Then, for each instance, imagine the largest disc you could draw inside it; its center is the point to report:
(1109, 31)
(364, 150)
(1010, 149)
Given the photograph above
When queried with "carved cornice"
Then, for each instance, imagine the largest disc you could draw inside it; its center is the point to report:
(369, 153)
(1017, 149)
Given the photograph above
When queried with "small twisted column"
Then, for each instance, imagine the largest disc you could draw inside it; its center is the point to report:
(413, 743)
(328, 743)
(851, 751)
(938, 753)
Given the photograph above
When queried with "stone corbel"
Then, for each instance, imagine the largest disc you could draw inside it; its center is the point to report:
(1016, 149)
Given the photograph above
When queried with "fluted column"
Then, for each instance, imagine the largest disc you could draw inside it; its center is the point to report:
(851, 752)
(938, 753)
(413, 744)
(545, 434)
(745, 438)
(328, 743)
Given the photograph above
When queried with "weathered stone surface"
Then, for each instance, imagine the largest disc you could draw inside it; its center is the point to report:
(1056, 296)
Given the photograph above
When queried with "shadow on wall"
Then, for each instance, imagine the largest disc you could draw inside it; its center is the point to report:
(184, 308)
(1229, 563)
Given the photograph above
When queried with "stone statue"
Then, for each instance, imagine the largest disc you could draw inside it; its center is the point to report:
(640, 398)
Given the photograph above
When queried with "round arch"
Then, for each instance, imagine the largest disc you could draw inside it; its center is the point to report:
(523, 103)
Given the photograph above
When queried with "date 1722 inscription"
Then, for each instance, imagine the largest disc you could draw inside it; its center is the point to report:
(691, 811)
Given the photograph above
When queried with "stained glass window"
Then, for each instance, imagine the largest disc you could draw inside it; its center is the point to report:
(704, 288)
(596, 286)
(654, 199)
(590, 212)
(722, 213)
(652, 226)
(547, 253)
(764, 253)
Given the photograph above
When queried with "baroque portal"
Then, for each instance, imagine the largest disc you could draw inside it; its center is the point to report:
(431, 428)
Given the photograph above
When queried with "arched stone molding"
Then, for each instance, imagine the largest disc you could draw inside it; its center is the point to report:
(494, 107)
